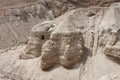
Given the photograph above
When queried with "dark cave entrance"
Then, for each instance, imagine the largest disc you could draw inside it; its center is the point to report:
(42, 37)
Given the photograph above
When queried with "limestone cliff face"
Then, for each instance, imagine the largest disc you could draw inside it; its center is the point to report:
(112, 76)
(18, 16)
(56, 42)
(59, 6)
(69, 35)
(82, 44)
(86, 36)
(17, 22)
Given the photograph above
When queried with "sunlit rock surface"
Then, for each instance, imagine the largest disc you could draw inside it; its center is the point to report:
(82, 44)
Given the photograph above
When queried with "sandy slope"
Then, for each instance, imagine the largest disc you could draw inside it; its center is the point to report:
(13, 68)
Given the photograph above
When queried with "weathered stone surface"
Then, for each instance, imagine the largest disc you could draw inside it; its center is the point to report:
(110, 36)
(112, 76)
(78, 36)
(18, 16)
(17, 22)
(59, 42)
(82, 44)
(64, 39)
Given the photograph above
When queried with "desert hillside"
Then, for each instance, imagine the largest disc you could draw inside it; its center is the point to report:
(59, 40)
(17, 17)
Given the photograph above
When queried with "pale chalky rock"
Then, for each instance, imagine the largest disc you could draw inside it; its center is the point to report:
(111, 76)
(56, 42)
(82, 44)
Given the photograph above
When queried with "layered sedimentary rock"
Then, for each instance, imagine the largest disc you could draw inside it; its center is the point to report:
(112, 76)
(17, 22)
(18, 16)
(56, 42)
(81, 35)
(82, 44)
(110, 34)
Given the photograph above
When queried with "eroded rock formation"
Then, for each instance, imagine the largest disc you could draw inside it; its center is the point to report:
(56, 42)
(18, 16)
(17, 22)
(66, 39)
(112, 76)
(82, 44)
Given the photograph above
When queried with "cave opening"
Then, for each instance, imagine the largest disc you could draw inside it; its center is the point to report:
(42, 37)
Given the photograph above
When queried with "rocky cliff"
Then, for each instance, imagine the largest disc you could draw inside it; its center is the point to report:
(80, 44)
(16, 22)
(17, 17)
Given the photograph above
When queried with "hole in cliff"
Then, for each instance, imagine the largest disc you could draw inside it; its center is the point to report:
(42, 37)
(90, 14)
(13, 41)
